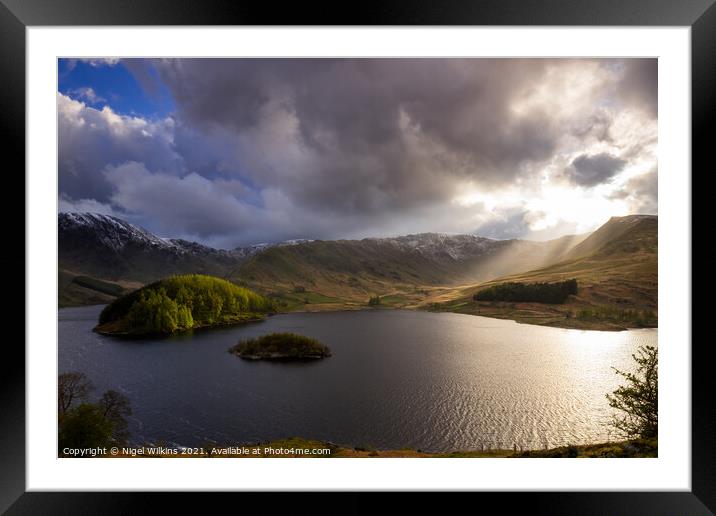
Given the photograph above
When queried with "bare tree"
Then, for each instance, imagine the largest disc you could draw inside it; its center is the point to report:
(71, 388)
(115, 408)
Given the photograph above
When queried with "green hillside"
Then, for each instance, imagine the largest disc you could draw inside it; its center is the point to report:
(354, 264)
(615, 267)
(181, 303)
(78, 290)
(328, 275)
(620, 235)
(342, 274)
(618, 283)
(347, 273)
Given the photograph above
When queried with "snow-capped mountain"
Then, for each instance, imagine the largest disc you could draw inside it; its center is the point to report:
(94, 243)
(110, 248)
(116, 234)
(112, 232)
(250, 250)
(437, 246)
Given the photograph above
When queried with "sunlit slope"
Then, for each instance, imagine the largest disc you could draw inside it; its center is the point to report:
(353, 270)
(616, 269)
(620, 235)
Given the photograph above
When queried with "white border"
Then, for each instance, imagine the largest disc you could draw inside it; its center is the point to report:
(670, 471)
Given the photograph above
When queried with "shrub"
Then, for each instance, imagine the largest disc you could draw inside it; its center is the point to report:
(89, 425)
(638, 400)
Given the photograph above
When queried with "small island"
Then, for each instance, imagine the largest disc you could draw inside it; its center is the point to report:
(182, 303)
(281, 346)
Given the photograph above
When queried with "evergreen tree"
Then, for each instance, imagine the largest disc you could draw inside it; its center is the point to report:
(184, 302)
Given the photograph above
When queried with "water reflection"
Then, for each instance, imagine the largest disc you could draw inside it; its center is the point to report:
(396, 379)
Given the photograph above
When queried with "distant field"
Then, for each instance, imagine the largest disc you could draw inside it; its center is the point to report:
(617, 284)
(105, 287)
(616, 269)
(77, 290)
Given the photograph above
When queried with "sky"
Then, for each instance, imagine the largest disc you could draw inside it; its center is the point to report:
(231, 152)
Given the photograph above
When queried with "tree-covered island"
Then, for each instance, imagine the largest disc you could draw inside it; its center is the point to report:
(281, 346)
(181, 303)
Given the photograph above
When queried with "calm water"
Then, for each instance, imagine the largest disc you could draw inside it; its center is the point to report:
(433, 381)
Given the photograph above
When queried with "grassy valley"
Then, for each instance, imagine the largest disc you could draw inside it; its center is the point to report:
(615, 268)
(345, 274)
(78, 289)
(339, 274)
(617, 283)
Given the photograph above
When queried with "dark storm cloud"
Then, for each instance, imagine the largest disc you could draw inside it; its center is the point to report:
(509, 225)
(639, 85)
(596, 169)
(267, 149)
(597, 125)
(357, 115)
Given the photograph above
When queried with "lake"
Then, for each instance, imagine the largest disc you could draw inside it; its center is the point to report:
(397, 379)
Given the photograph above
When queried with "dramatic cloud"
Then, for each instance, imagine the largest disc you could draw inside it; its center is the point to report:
(639, 84)
(87, 94)
(266, 149)
(84, 205)
(640, 192)
(379, 112)
(592, 170)
(94, 62)
(90, 139)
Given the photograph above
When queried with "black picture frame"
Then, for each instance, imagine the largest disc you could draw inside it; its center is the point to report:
(17, 15)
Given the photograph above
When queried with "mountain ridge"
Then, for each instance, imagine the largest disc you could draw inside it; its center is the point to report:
(315, 274)
(616, 268)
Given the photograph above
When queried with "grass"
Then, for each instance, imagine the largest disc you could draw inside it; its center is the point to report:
(395, 300)
(105, 287)
(615, 267)
(615, 292)
(296, 447)
(334, 297)
(79, 290)
(291, 301)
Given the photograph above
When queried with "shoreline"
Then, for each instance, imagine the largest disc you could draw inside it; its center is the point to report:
(205, 327)
(548, 320)
(296, 447)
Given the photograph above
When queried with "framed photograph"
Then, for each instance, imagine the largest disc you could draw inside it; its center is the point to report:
(444, 250)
